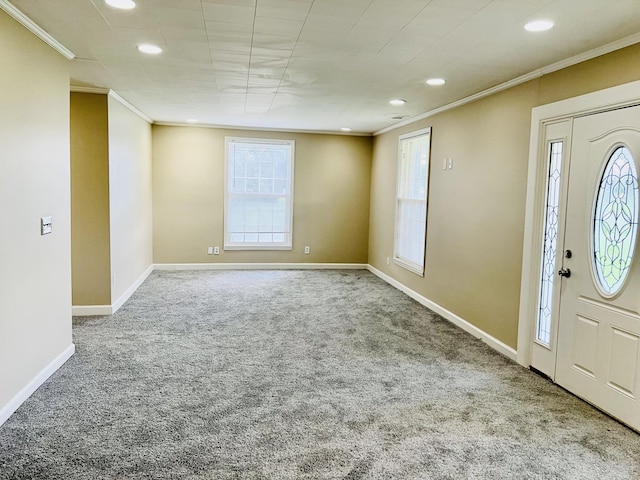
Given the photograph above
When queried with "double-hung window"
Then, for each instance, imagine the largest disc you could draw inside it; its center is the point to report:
(411, 200)
(258, 194)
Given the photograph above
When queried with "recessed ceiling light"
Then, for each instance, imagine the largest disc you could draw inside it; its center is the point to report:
(192, 120)
(123, 4)
(436, 82)
(150, 49)
(397, 102)
(539, 26)
(346, 129)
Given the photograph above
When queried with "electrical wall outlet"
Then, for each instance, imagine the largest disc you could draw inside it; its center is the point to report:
(216, 250)
(387, 260)
(307, 250)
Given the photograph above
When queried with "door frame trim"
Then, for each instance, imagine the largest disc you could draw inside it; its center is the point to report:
(621, 96)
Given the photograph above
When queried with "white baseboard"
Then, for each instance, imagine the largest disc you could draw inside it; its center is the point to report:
(260, 266)
(90, 310)
(18, 399)
(452, 317)
(131, 290)
(493, 342)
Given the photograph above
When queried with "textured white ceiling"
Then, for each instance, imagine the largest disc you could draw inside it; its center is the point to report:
(317, 64)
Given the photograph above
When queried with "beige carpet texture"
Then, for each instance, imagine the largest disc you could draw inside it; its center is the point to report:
(299, 374)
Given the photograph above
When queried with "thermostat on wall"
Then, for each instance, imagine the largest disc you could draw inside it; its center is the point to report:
(45, 226)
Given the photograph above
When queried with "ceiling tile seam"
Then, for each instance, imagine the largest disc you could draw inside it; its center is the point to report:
(443, 37)
(253, 32)
(211, 55)
(403, 28)
(284, 71)
(34, 28)
(554, 67)
(452, 32)
(101, 14)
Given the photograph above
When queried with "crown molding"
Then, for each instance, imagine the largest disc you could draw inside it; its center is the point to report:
(596, 52)
(96, 90)
(263, 129)
(126, 104)
(35, 29)
(554, 67)
(112, 94)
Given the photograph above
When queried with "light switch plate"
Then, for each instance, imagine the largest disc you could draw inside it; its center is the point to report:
(46, 225)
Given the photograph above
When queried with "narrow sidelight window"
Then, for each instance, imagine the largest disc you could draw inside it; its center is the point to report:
(554, 185)
(411, 200)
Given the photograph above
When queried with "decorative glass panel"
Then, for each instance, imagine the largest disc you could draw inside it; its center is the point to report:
(543, 327)
(615, 221)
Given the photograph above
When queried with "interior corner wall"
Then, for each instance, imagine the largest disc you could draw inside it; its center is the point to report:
(35, 273)
(130, 200)
(331, 197)
(90, 241)
(476, 210)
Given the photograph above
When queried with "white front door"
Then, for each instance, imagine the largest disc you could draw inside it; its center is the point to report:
(598, 338)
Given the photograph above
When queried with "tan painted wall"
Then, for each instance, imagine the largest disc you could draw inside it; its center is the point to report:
(476, 211)
(616, 68)
(130, 201)
(35, 272)
(90, 255)
(331, 197)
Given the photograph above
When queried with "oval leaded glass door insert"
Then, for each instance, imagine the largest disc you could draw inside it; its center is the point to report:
(615, 222)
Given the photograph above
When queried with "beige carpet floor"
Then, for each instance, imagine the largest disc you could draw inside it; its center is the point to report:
(299, 375)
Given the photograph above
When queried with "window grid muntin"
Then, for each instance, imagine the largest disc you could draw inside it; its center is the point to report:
(615, 222)
(549, 249)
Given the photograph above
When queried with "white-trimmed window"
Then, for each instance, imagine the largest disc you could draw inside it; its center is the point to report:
(411, 200)
(258, 206)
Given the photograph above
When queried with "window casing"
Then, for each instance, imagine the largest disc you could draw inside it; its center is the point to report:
(411, 200)
(258, 203)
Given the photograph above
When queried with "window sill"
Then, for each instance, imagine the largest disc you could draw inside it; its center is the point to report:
(258, 247)
(417, 269)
